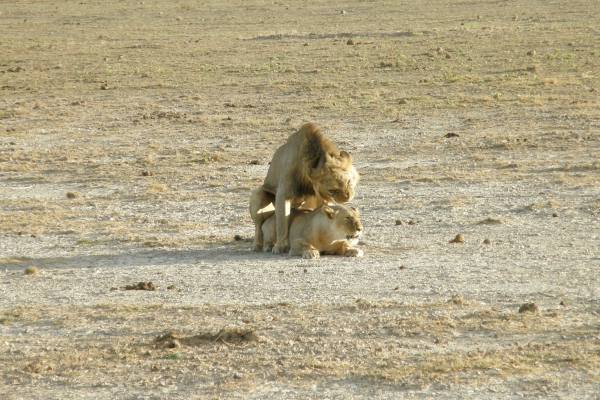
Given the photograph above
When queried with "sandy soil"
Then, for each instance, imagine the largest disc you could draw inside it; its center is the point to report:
(131, 135)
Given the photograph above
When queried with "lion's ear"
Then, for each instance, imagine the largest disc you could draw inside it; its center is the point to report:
(328, 212)
(345, 155)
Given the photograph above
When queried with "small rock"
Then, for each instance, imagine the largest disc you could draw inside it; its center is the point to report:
(173, 344)
(411, 222)
(31, 271)
(403, 267)
(564, 303)
(104, 86)
(531, 53)
(238, 238)
(171, 287)
(487, 241)
(147, 173)
(448, 56)
(256, 162)
(529, 307)
(555, 215)
(458, 239)
(402, 101)
(399, 222)
(397, 288)
(73, 195)
(350, 42)
(343, 12)
(451, 135)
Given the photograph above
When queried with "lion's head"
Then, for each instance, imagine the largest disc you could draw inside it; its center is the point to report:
(335, 178)
(345, 223)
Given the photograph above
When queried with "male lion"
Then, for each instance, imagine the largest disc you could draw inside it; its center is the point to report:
(308, 169)
(324, 230)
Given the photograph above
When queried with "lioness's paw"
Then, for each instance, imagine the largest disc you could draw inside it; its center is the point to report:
(353, 253)
(311, 254)
(267, 248)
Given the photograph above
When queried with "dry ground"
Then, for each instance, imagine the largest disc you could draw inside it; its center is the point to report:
(132, 132)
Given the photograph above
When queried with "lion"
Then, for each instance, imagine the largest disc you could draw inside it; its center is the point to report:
(324, 230)
(308, 170)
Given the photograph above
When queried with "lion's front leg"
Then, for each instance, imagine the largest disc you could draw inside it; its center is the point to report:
(259, 200)
(305, 249)
(282, 214)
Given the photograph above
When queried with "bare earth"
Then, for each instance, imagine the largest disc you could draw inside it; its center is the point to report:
(131, 135)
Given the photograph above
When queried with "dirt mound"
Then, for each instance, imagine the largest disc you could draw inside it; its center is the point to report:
(141, 286)
(227, 335)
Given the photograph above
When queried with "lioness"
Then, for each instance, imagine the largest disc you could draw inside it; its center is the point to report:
(307, 169)
(324, 230)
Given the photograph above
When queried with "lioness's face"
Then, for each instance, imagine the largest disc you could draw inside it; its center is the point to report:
(348, 223)
(337, 185)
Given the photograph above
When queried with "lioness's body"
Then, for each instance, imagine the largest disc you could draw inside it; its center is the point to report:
(324, 230)
(308, 169)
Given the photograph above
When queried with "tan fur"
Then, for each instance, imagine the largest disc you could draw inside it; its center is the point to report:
(325, 230)
(308, 170)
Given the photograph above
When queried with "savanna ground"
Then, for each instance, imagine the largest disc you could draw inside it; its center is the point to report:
(131, 135)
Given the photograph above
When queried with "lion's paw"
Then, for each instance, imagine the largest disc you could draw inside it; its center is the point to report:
(256, 247)
(267, 248)
(353, 252)
(281, 249)
(311, 254)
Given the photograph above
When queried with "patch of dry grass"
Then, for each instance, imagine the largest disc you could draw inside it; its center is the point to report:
(367, 341)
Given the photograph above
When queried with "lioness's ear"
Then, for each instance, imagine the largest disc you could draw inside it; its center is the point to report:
(344, 154)
(328, 212)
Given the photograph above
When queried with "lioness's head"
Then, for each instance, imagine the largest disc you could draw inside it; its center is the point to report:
(345, 222)
(335, 178)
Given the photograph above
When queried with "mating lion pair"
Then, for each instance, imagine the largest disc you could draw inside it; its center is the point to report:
(306, 174)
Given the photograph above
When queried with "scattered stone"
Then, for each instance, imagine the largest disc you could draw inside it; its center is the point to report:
(531, 53)
(440, 50)
(343, 12)
(411, 222)
(403, 267)
(448, 56)
(402, 101)
(399, 222)
(141, 286)
(555, 215)
(31, 271)
(306, 44)
(487, 241)
(73, 195)
(451, 135)
(104, 86)
(479, 17)
(397, 288)
(238, 238)
(171, 287)
(529, 307)
(458, 239)
(256, 162)
(281, 271)
(350, 42)
(147, 173)
(564, 303)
